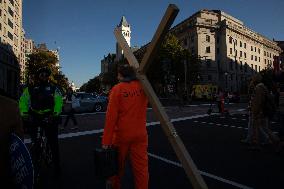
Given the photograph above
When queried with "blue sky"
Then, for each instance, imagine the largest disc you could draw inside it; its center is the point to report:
(84, 29)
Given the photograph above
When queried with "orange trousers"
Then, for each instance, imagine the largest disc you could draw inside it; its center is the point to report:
(137, 153)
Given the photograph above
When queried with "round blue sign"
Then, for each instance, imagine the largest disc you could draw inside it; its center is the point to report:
(21, 164)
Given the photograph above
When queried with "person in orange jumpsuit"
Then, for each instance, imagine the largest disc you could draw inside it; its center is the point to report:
(125, 127)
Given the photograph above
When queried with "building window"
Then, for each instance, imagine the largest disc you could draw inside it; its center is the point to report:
(258, 51)
(231, 51)
(254, 49)
(258, 59)
(10, 35)
(207, 38)
(185, 42)
(10, 23)
(251, 48)
(245, 54)
(230, 40)
(241, 44)
(264, 61)
(209, 78)
(12, 2)
(207, 49)
(259, 68)
(245, 45)
(11, 12)
(236, 53)
(236, 42)
(241, 54)
(255, 58)
(256, 68)
(264, 53)
(251, 57)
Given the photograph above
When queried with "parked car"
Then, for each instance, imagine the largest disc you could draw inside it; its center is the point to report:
(90, 102)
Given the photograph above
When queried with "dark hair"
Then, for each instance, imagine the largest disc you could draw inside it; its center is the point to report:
(126, 71)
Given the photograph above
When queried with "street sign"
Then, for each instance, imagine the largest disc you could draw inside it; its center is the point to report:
(21, 164)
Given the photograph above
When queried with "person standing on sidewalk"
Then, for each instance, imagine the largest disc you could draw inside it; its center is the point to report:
(260, 120)
(220, 100)
(125, 127)
(73, 103)
(249, 136)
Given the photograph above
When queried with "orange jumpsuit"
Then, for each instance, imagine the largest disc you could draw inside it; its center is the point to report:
(125, 128)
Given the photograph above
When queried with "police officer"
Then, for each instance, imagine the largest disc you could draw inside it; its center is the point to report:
(43, 100)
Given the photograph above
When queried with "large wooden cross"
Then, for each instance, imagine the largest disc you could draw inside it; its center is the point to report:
(172, 135)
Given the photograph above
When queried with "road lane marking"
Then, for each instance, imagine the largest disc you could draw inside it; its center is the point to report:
(70, 135)
(202, 172)
(82, 133)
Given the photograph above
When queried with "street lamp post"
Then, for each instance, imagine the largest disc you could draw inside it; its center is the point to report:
(235, 41)
(185, 77)
(226, 75)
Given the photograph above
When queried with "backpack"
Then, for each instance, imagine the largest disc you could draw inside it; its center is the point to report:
(269, 107)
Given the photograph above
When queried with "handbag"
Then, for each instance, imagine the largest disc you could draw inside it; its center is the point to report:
(106, 162)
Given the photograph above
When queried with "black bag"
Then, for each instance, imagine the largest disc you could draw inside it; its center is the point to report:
(106, 162)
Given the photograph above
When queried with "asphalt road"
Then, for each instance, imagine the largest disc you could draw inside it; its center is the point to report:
(212, 141)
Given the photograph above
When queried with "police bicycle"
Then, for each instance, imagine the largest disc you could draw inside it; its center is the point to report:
(40, 148)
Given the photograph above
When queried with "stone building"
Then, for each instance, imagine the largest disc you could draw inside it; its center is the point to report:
(230, 52)
(281, 57)
(12, 55)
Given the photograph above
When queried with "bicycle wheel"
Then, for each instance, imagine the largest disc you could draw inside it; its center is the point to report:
(36, 153)
(47, 154)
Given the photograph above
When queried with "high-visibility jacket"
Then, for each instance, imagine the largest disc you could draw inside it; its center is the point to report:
(126, 114)
(41, 99)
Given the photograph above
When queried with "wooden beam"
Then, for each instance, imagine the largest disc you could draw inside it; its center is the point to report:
(172, 135)
(126, 50)
(160, 34)
(177, 144)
